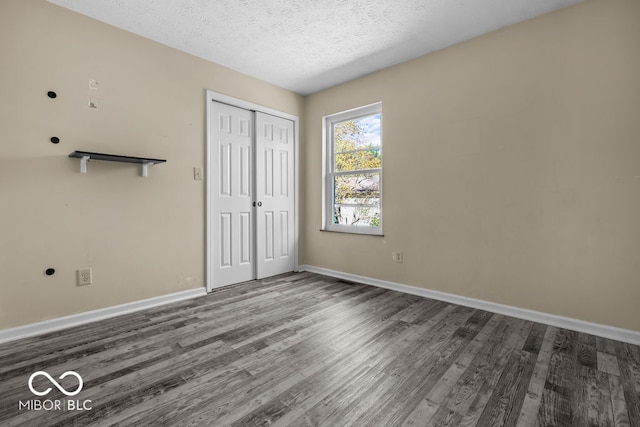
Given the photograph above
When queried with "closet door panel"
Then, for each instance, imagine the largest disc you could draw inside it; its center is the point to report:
(231, 195)
(275, 207)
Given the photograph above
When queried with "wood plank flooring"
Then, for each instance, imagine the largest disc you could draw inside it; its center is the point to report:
(306, 350)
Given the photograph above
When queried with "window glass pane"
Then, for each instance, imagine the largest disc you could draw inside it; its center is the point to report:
(356, 215)
(361, 189)
(356, 160)
(357, 199)
(360, 133)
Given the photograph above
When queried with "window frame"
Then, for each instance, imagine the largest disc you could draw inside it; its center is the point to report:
(328, 156)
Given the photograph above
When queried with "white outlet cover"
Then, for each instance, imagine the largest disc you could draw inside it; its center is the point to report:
(85, 277)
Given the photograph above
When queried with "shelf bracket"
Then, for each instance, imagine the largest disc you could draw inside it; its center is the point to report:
(83, 164)
(145, 168)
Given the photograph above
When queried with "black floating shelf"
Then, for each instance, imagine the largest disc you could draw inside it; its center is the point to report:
(85, 156)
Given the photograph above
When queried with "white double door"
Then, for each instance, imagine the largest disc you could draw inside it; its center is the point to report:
(251, 195)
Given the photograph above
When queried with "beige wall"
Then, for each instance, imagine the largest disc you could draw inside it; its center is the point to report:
(511, 167)
(143, 237)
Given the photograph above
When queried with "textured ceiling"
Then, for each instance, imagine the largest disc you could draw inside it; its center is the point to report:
(309, 45)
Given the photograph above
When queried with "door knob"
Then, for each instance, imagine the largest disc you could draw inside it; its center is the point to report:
(259, 204)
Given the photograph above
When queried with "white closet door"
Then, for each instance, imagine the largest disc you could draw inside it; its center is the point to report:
(274, 195)
(231, 195)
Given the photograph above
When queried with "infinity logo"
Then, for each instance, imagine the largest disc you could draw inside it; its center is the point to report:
(55, 383)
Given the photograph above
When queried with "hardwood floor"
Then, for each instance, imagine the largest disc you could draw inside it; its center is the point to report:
(306, 350)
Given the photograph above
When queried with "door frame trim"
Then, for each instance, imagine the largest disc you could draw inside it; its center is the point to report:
(246, 105)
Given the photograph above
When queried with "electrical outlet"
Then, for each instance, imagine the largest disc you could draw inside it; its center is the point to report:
(84, 277)
(397, 257)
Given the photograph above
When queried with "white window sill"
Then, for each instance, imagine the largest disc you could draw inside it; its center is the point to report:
(351, 231)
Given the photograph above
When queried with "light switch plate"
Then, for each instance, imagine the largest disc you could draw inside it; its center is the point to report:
(197, 174)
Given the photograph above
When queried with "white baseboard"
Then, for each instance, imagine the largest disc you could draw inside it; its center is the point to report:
(58, 323)
(619, 334)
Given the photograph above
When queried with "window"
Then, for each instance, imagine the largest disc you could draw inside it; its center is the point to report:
(353, 171)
